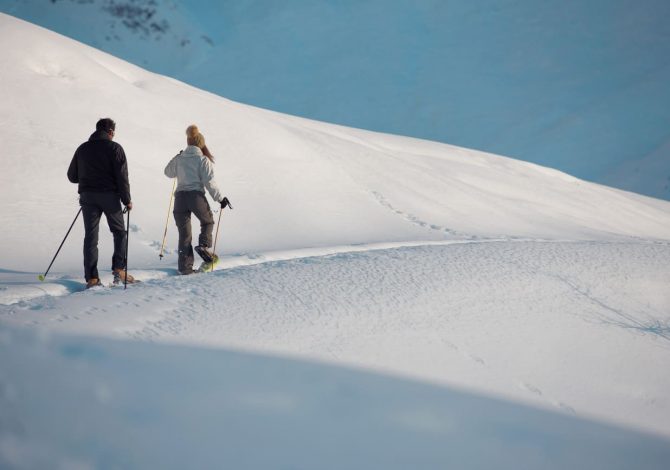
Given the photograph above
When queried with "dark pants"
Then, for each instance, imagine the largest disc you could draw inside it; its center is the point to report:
(185, 203)
(93, 205)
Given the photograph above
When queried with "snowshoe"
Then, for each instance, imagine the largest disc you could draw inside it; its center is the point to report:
(208, 267)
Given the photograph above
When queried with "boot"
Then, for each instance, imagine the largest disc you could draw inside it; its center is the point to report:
(205, 253)
(93, 282)
(120, 277)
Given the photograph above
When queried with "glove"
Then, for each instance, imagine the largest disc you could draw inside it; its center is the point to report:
(225, 202)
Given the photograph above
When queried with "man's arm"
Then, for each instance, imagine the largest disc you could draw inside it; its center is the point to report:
(73, 170)
(121, 174)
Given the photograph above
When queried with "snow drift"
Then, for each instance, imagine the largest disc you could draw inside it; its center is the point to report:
(297, 183)
(577, 86)
(516, 313)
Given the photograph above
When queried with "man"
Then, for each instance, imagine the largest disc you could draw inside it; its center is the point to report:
(99, 166)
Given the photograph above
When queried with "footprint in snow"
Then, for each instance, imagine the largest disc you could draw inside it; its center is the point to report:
(565, 407)
(530, 388)
(476, 359)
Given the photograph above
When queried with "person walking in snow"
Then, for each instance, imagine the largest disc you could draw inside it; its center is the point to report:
(100, 168)
(194, 170)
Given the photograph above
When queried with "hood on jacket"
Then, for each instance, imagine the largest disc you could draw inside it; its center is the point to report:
(192, 151)
(99, 135)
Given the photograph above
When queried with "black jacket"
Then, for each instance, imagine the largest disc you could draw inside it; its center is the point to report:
(99, 165)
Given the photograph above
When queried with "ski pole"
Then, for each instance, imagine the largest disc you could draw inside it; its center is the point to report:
(42, 276)
(167, 219)
(225, 202)
(125, 280)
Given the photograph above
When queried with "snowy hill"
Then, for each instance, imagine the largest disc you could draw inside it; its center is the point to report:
(383, 302)
(313, 184)
(580, 87)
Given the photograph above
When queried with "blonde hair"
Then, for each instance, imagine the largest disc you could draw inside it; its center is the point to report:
(194, 137)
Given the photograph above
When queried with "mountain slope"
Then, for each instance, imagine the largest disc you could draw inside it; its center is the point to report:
(381, 300)
(174, 407)
(313, 184)
(580, 87)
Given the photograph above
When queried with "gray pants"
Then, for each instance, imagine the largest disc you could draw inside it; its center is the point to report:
(185, 203)
(93, 205)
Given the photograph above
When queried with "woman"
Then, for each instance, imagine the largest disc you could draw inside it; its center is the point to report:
(194, 170)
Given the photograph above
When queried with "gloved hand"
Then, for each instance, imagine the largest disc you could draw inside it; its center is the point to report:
(225, 202)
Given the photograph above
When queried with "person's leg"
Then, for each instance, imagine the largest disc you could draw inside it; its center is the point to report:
(182, 217)
(91, 213)
(111, 205)
(204, 214)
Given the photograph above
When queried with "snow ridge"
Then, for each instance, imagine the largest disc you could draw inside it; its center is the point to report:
(580, 87)
(382, 302)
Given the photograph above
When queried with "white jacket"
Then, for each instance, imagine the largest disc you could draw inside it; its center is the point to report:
(194, 172)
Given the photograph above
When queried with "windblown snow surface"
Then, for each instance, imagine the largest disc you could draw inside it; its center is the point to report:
(580, 86)
(382, 302)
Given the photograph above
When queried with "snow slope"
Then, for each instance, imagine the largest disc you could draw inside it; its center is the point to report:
(155, 406)
(459, 307)
(577, 86)
(297, 183)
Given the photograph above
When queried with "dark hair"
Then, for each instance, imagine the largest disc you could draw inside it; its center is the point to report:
(105, 124)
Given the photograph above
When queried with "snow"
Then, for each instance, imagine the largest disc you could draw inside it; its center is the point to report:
(577, 86)
(148, 406)
(382, 302)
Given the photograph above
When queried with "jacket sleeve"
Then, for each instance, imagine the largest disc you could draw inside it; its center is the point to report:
(207, 178)
(171, 168)
(73, 170)
(121, 174)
